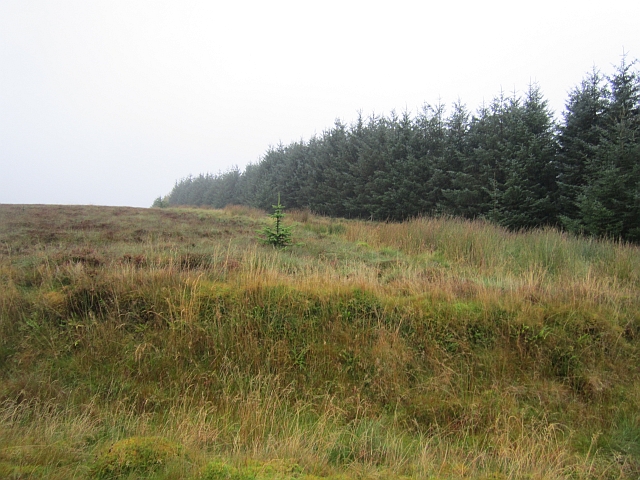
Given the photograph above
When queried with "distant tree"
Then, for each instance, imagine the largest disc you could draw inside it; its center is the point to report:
(403, 182)
(462, 191)
(512, 156)
(432, 166)
(609, 202)
(530, 190)
(222, 189)
(338, 181)
(487, 161)
(160, 203)
(580, 134)
(366, 156)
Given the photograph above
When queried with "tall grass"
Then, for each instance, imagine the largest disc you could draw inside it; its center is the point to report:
(432, 348)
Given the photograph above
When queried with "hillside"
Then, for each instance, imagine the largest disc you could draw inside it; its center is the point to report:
(172, 343)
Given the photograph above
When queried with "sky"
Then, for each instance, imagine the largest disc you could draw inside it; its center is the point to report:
(110, 102)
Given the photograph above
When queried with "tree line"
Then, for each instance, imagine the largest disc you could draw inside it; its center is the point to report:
(511, 162)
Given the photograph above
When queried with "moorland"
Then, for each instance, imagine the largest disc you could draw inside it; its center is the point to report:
(172, 343)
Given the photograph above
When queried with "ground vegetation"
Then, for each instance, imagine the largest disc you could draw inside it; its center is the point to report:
(172, 343)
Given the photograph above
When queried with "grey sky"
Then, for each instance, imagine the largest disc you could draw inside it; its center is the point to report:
(110, 102)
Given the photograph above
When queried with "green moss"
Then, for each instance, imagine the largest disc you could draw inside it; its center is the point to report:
(135, 454)
(222, 471)
(272, 470)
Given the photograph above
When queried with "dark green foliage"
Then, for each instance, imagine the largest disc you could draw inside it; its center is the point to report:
(609, 202)
(462, 192)
(510, 162)
(580, 135)
(599, 161)
(278, 236)
(526, 198)
(215, 190)
(160, 203)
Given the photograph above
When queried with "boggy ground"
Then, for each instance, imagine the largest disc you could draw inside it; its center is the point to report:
(172, 343)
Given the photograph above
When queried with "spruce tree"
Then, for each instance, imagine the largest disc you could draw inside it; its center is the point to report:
(580, 135)
(460, 192)
(609, 202)
(406, 187)
(528, 198)
(278, 235)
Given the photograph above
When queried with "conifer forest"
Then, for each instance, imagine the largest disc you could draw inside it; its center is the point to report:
(511, 161)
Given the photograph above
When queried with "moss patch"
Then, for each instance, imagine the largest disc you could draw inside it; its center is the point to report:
(135, 454)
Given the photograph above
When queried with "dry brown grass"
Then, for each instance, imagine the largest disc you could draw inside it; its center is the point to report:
(434, 348)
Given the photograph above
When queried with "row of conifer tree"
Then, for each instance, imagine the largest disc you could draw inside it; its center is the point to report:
(511, 162)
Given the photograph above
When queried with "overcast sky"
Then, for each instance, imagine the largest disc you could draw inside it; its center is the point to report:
(110, 102)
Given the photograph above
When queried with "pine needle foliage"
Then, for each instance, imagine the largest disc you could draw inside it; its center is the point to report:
(279, 236)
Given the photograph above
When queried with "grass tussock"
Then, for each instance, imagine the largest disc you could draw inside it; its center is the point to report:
(435, 348)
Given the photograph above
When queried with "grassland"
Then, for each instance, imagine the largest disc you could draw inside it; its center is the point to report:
(171, 343)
